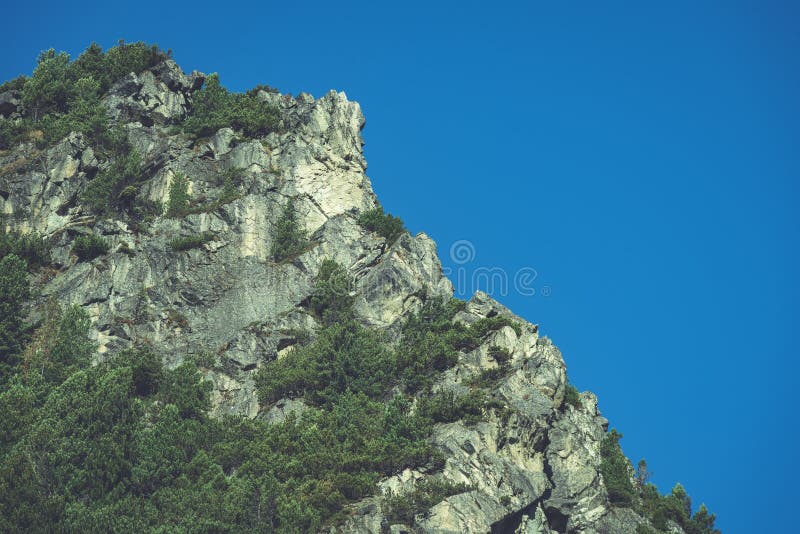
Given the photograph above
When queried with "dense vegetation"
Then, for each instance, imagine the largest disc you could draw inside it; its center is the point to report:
(178, 203)
(426, 493)
(191, 241)
(289, 239)
(88, 247)
(30, 247)
(127, 445)
(64, 96)
(387, 226)
(642, 496)
(214, 107)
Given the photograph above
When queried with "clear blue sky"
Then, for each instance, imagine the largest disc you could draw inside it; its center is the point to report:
(643, 159)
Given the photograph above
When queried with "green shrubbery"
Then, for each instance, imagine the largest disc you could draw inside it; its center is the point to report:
(31, 247)
(289, 239)
(616, 471)
(344, 356)
(572, 396)
(347, 362)
(213, 107)
(384, 224)
(500, 355)
(644, 497)
(431, 340)
(12, 132)
(332, 300)
(426, 493)
(150, 458)
(178, 203)
(448, 407)
(677, 507)
(192, 241)
(88, 247)
(64, 96)
(14, 291)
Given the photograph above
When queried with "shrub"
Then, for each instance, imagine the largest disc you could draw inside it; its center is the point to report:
(115, 189)
(12, 132)
(499, 354)
(572, 397)
(289, 239)
(51, 86)
(178, 203)
(213, 107)
(31, 247)
(331, 299)
(426, 493)
(487, 377)
(447, 407)
(147, 369)
(120, 61)
(616, 471)
(677, 507)
(84, 114)
(14, 291)
(14, 84)
(88, 247)
(65, 96)
(384, 224)
(190, 242)
(345, 356)
(430, 342)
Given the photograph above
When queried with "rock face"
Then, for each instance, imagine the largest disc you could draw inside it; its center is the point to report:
(533, 468)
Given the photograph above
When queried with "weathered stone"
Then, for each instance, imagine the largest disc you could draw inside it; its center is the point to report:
(9, 103)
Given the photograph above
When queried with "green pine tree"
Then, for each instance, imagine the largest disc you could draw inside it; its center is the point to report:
(14, 291)
(289, 238)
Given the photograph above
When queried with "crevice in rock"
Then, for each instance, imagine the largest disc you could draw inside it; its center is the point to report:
(64, 208)
(511, 522)
(316, 204)
(556, 519)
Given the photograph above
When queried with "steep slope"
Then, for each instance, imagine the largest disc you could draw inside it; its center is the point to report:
(206, 285)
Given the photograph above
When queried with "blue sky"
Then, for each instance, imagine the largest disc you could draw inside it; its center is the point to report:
(643, 159)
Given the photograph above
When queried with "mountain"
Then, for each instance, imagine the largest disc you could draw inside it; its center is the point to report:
(210, 324)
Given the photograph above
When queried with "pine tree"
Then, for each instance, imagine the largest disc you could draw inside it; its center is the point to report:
(289, 239)
(14, 291)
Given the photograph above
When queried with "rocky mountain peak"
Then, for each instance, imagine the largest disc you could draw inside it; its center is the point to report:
(205, 284)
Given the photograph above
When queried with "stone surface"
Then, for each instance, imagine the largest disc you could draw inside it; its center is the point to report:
(9, 103)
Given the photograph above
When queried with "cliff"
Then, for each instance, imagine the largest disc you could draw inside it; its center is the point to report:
(206, 285)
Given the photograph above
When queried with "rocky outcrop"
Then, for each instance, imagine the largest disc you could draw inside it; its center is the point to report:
(532, 467)
(10, 102)
(157, 96)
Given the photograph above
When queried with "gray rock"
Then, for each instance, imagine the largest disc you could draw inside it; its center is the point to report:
(10, 101)
(158, 96)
